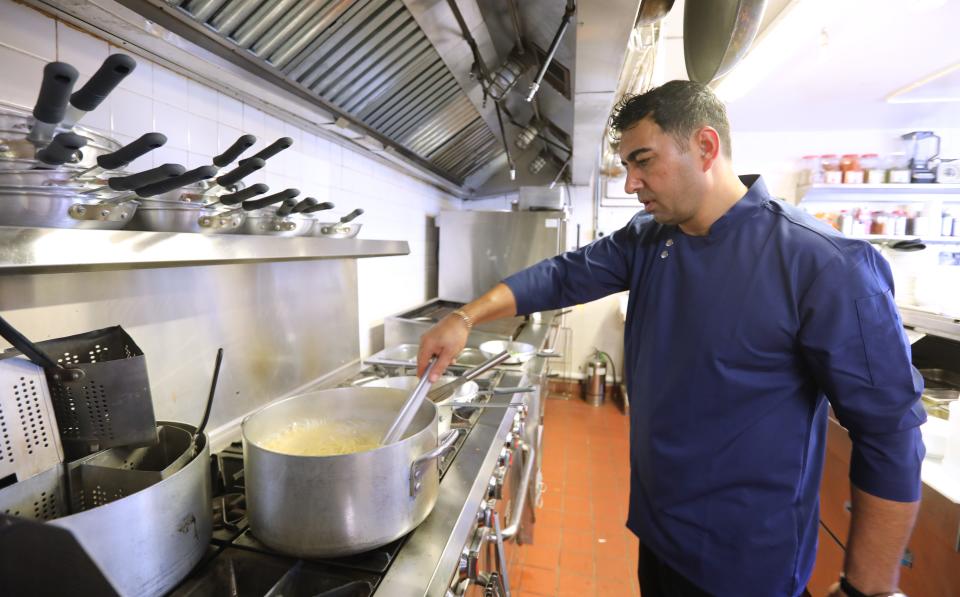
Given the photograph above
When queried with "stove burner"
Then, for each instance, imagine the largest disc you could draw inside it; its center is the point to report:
(229, 516)
(376, 560)
(241, 573)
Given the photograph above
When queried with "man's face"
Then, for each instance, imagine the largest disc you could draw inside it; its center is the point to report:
(666, 180)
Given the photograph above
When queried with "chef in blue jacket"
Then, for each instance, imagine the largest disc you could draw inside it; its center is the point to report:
(746, 317)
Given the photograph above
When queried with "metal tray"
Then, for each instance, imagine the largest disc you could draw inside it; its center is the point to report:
(406, 355)
(401, 354)
(941, 379)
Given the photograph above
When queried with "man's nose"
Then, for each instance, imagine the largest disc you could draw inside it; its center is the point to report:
(633, 184)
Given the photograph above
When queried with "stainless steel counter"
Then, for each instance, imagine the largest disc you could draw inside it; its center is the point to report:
(41, 250)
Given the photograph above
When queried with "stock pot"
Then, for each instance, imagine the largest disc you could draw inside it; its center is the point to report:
(324, 506)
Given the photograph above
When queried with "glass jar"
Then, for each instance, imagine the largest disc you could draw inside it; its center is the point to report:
(810, 171)
(850, 167)
(898, 169)
(830, 165)
(873, 170)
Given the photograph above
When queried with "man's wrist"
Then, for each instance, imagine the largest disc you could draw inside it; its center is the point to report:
(464, 317)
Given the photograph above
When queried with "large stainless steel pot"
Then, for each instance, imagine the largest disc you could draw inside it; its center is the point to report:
(144, 541)
(322, 506)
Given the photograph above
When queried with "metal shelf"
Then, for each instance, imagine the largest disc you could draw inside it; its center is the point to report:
(881, 238)
(929, 322)
(37, 250)
(880, 192)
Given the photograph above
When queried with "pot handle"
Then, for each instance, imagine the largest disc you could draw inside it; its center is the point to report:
(420, 465)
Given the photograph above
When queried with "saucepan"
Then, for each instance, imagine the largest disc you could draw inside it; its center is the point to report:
(57, 109)
(57, 166)
(344, 228)
(323, 449)
(520, 352)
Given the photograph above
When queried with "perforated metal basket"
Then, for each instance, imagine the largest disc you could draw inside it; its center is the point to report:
(98, 386)
(29, 440)
(110, 403)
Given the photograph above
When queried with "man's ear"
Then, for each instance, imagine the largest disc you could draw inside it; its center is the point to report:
(707, 140)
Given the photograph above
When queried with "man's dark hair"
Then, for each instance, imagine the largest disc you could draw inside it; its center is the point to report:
(679, 108)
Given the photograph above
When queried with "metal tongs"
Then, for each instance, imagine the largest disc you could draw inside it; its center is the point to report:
(409, 408)
(443, 392)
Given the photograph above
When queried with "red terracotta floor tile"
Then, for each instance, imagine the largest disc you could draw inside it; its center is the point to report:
(538, 581)
(581, 546)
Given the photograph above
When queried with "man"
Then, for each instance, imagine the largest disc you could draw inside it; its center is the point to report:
(744, 315)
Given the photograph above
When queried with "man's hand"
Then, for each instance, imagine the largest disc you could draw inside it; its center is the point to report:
(449, 336)
(445, 340)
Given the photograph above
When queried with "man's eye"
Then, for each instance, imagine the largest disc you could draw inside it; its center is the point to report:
(642, 162)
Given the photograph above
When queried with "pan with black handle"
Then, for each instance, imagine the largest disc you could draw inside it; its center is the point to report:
(86, 99)
(264, 218)
(344, 228)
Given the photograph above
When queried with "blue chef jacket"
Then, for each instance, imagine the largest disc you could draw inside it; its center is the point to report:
(733, 341)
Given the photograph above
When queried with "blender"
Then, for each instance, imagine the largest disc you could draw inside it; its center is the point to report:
(923, 147)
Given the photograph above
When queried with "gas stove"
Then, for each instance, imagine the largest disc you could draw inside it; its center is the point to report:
(237, 564)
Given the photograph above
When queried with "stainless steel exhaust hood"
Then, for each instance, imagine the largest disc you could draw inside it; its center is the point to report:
(366, 61)
(401, 72)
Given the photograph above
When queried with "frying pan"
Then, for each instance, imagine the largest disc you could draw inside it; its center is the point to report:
(66, 174)
(717, 34)
(16, 152)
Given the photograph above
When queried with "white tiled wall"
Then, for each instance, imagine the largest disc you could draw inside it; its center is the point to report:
(200, 122)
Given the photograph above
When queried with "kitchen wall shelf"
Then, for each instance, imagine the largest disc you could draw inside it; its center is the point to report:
(38, 250)
(929, 322)
(896, 193)
(883, 238)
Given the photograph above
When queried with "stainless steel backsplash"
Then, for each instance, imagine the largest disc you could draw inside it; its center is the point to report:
(280, 324)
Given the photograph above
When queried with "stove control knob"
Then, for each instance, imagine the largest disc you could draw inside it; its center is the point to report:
(497, 482)
(468, 568)
(492, 488)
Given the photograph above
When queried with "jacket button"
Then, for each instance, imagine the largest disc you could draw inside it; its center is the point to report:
(664, 254)
(669, 242)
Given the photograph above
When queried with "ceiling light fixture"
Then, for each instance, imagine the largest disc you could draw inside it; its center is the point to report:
(940, 87)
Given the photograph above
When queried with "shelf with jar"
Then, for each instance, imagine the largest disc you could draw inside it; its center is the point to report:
(929, 222)
(880, 192)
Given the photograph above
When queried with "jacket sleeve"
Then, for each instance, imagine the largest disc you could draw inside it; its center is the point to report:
(852, 338)
(575, 277)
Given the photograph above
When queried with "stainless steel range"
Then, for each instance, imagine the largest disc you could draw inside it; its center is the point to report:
(489, 484)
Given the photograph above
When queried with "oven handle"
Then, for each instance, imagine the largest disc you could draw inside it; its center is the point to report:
(503, 579)
(516, 515)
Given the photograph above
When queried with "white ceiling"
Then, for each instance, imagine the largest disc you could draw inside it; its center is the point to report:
(843, 84)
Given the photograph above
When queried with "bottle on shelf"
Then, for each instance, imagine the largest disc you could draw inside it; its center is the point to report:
(948, 225)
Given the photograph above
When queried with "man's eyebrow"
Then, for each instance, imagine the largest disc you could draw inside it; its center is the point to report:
(633, 154)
